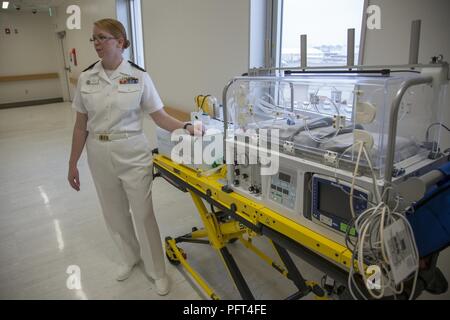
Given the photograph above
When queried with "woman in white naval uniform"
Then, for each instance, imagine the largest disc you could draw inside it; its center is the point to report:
(111, 98)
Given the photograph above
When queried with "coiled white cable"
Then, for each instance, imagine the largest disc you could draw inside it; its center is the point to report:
(380, 214)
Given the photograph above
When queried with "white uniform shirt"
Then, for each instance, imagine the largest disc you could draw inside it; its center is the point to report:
(115, 104)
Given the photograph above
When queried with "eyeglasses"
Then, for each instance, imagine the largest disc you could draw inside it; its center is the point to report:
(100, 38)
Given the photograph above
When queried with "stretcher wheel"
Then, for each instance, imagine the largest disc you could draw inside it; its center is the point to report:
(170, 254)
(318, 291)
(173, 258)
(173, 261)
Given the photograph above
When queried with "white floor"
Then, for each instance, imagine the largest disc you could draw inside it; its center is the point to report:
(46, 228)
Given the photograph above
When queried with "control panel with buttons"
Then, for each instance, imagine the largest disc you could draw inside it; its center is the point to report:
(282, 189)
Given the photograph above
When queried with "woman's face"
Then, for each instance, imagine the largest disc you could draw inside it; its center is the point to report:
(105, 44)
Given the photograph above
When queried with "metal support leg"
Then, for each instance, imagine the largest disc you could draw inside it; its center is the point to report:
(202, 283)
(216, 239)
(293, 273)
(236, 274)
(209, 222)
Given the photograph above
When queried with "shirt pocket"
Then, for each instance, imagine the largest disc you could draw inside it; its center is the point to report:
(129, 97)
(91, 96)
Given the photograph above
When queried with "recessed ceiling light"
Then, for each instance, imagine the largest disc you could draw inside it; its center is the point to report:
(5, 4)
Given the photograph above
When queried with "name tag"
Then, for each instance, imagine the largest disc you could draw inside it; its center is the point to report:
(129, 80)
(92, 82)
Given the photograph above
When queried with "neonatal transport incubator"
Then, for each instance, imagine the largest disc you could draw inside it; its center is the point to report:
(330, 137)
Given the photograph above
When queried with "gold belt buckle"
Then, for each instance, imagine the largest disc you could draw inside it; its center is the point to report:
(104, 137)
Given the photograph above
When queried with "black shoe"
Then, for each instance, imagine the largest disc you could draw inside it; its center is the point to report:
(437, 284)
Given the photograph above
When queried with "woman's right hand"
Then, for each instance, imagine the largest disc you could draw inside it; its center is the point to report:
(74, 177)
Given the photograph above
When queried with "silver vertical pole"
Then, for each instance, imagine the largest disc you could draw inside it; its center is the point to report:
(303, 51)
(350, 47)
(415, 42)
(268, 54)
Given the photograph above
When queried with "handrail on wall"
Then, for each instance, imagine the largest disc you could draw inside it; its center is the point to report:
(180, 115)
(24, 77)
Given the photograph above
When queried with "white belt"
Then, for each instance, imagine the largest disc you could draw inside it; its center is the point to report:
(116, 136)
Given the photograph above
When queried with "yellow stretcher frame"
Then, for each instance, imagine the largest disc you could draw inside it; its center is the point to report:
(248, 217)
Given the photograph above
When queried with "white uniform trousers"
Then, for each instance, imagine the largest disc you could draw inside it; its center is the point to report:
(121, 171)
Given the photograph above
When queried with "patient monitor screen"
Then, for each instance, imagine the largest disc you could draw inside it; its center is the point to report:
(333, 200)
